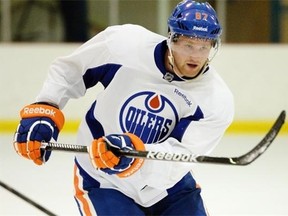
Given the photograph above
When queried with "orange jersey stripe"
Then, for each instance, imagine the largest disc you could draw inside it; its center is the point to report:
(80, 194)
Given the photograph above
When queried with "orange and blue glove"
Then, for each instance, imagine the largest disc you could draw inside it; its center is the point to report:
(40, 122)
(102, 156)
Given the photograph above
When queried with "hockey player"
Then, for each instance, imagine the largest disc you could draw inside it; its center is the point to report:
(159, 94)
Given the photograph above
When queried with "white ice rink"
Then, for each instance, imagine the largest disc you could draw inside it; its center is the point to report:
(260, 188)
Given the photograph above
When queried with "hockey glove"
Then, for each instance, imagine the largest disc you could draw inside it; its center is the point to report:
(39, 122)
(103, 157)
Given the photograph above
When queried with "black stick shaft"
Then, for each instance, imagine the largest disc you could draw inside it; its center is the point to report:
(26, 199)
(245, 159)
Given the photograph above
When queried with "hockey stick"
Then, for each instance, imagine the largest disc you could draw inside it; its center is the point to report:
(244, 159)
(25, 198)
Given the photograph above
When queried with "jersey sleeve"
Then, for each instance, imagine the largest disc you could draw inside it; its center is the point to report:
(65, 75)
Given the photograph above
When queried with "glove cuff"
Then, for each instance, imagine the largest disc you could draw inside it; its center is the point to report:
(43, 110)
(138, 162)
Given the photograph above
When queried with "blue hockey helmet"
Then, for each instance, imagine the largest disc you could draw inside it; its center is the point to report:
(195, 19)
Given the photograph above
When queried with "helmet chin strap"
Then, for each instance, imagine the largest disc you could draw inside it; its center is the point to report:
(171, 60)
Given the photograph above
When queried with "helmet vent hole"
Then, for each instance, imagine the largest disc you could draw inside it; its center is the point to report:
(179, 15)
(216, 31)
(182, 26)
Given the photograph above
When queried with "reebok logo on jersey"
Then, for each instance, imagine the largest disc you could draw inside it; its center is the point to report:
(39, 110)
(188, 102)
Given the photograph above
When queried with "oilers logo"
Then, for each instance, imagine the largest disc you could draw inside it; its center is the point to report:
(150, 116)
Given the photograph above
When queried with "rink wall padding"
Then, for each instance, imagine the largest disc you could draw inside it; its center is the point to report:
(257, 75)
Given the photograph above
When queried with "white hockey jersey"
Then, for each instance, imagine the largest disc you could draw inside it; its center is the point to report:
(177, 116)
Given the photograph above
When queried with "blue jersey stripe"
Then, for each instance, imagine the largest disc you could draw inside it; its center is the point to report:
(103, 74)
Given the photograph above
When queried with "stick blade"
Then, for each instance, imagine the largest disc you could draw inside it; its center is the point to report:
(264, 143)
(252, 155)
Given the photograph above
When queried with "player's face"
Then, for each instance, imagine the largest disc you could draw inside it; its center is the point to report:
(190, 55)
